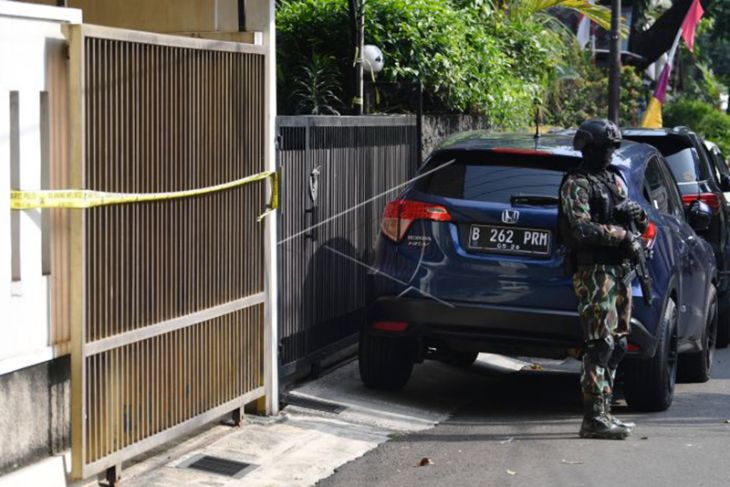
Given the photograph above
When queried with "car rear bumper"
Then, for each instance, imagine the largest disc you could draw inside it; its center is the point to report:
(499, 329)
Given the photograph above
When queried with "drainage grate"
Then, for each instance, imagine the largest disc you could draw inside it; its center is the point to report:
(305, 402)
(220, 466)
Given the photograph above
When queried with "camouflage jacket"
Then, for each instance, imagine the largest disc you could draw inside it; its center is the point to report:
(575, 196)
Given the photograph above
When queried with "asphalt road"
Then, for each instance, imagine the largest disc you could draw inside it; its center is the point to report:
(521, 429)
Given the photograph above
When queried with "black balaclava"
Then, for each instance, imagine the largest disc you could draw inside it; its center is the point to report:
(597, 158)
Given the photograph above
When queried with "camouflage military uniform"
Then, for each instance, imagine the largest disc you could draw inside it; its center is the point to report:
(604, 301)
(594, 220)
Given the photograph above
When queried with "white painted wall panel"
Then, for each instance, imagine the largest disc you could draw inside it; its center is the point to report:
(29, 34)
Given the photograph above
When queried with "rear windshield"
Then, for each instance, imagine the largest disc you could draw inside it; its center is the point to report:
(685, 166)
(494, 180)
(682, 157)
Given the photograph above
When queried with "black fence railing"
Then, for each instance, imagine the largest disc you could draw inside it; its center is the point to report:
(332, 171)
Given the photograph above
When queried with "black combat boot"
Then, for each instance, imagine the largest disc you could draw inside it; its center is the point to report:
(597, 425)
(607, 410)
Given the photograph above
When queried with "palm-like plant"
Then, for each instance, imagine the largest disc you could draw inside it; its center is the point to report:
(597, 13)
(316, 85)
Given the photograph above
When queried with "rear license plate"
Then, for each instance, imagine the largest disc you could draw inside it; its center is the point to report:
(509, 240)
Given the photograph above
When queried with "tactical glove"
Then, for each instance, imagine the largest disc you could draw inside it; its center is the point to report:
(629, 211)
(632, 245)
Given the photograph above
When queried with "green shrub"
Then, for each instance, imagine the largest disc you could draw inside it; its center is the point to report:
(472, 56)
(469, 58)
(701, 117)
(685, 112)
(306, 30)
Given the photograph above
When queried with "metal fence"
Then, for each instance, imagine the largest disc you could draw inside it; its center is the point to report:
(168, 297)
(330, 168)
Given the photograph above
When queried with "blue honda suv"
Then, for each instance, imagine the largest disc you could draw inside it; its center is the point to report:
(469, 260)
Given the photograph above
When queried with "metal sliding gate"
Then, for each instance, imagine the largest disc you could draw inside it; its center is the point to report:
(330, 168)
(168, 329)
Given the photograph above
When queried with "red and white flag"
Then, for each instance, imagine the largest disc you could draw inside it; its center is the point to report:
(689, 25)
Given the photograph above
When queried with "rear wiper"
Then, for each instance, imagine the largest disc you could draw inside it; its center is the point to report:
(533, 199)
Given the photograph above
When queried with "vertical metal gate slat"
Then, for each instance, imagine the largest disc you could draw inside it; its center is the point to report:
(168, 323)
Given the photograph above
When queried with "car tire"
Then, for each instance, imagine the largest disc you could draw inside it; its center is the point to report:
(723, 322)
(385, 362)
(697, 366)
(459, 359)
(649, 384)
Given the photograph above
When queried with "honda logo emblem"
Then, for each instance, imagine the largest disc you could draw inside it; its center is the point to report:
(510, 216)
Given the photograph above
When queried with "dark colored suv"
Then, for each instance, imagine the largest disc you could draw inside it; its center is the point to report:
(699, 177)
(469, 261)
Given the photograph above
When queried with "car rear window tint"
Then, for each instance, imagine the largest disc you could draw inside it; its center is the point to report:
(493, 182)
(671, 145)
(685, 166)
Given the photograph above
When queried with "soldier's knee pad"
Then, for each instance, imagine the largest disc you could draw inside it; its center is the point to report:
(600, 351)
(619, 351)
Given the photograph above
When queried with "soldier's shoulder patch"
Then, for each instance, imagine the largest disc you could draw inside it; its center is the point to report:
(621, 184)
(577, 180)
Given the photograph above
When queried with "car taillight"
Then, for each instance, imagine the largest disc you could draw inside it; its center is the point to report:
(400, 214)
(649, 235)
(390, 326)
(710, 199)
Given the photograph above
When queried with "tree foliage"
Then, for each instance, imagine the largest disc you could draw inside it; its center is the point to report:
(703, 118)
(581, 94)
(714, 39)
(308, 30)
(500, 59)
(597, 13)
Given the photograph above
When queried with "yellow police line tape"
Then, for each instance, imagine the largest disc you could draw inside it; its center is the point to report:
(87, 198)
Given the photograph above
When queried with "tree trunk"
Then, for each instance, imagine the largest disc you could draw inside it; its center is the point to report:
(355, 11)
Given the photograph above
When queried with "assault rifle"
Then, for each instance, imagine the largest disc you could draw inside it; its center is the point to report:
(642, 271)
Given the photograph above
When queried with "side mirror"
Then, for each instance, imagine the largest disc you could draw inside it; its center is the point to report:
(699, 216)
(725, 183)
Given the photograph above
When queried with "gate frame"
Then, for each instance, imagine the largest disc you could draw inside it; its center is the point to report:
(267, 395)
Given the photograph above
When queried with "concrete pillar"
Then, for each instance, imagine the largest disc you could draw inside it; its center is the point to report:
(260, 15)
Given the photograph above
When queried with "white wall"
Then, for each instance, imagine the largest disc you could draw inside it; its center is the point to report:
(29, 34)
(260, 17)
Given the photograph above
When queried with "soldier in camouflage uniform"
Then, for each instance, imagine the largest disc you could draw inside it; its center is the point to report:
(595, 217)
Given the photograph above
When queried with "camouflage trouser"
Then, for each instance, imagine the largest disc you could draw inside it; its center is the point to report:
(604, 305)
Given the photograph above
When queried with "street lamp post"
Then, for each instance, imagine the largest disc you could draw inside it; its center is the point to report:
(614, 67)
